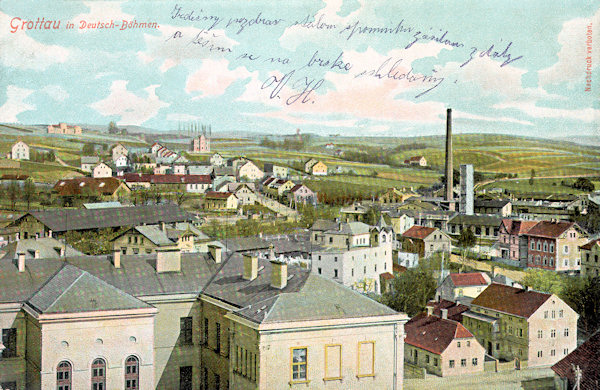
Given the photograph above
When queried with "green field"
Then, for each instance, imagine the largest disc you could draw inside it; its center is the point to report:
(539, 185)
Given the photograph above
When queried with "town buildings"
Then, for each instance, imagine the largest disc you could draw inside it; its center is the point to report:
(442, 346)
(590, 258)
(463, 287)
(416, 160)
(119, 150)
(101, 170)
(63, 128)
(19, 151)
(533, 328)
(315, 167)
(502, 207)
(220, 201)
(200, 144)
(106, 188)
(554, 245)
(425, 241)
(513, 242)
(89, 162)
(581, 367)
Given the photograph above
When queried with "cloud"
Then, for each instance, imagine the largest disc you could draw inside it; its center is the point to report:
(56, 92)
(131, 108)
(173, 51)
(15, 103)
(492, 79)
(214, 77)
(571, 65)
(178, 117)
(102, 11)
(530, 108)
(23, 52)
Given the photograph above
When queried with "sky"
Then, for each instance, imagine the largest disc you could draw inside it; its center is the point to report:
(358, 67)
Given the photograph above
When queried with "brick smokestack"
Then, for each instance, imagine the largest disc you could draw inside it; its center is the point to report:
(449, 167)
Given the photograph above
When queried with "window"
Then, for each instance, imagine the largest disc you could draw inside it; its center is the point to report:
(468, 343)
(552, 247)
(435, 362)
(539, 246)
(99, 374)
(545, 247)
(458, 344)
(474, 361)
(185, 330)
(540, 354)
(63, 376)
(566, 249)
(333, 362)
(520, 332)
(352, 271)
(566, 351)
(540, 334)
(132, 366)
(185, 378)
(497, 346)
(427, 359)
(566, 333)
(205, 331)
(463, 362)
(552, 333)
(319, 270)
(218, 337)
(366, 358)
(553, 313)
(9, 340)
(553, 352)
(451, 363)
(299, 362)
(546, 314)
(335, 273)
(532, 245)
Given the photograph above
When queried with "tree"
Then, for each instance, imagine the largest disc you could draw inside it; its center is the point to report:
(584, 184)
(583, 295)
(544, 281)
(88, 149)
(112, 127)
(410, 291)
(532, 177)
(180, 194)
(12, 193)
(466, 241)
(29, 191)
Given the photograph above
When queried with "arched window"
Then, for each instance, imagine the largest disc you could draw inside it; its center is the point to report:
(545, 247)
(99, 374)
(63, 376)
(539, 245)
(132, 366)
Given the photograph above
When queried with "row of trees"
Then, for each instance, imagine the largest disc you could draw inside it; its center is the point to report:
(581, 293)
(14, 192)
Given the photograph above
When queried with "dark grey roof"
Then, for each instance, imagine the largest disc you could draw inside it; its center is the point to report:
(325, 224)
(155, 234)
(229, 286)
(491, 202)
(49, 248)
(18, 286)
(72, 290)
(318, 298)
(60, 220)
(476, 219)
(138, 277)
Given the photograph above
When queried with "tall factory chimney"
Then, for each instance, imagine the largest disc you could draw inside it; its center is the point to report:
(449, 168)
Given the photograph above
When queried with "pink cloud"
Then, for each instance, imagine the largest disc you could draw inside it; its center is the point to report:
(214, 77)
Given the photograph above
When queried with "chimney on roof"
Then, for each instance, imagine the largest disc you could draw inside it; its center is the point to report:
(278, 274)
(36, 254)
(116, 258)
(444, 314)
(429, 310)
(168, 259)
(216, 253)
(250, 267)
(50, 233)
(163, 226)
(61, 252)
(21, 262)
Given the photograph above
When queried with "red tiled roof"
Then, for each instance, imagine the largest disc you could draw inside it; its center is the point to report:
(589, 245)
(433, 333)
(386, 276)
(167, 179)
(549, 229)
(468, 279)
(397, 268)
(587, 357)
(517, 227)
(77, 186)
(510, 300)
(418, 232)
(455, 310)
(218, 195)
(416, 158)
